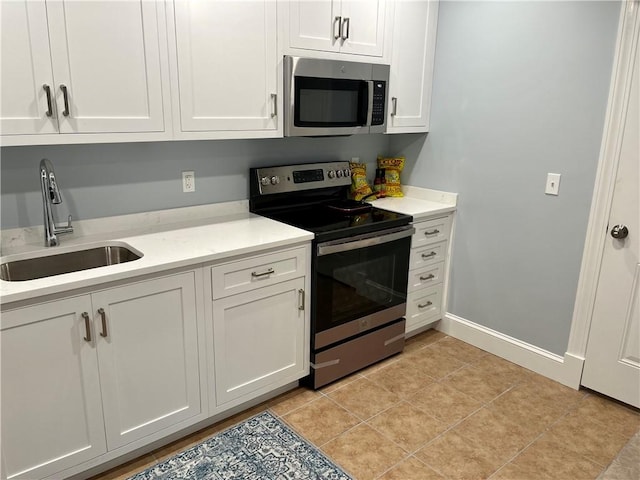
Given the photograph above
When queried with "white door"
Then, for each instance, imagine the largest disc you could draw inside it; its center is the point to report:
(314, 25)
(258, 339)
(363, 27)
(227, 65)
(51, 406)
(25, 69)
(411, 74)
(612, 364)
(148, 356)
(107, 55)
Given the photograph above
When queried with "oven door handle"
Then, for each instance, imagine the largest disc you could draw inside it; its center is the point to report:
(363, 241)
(369, 102)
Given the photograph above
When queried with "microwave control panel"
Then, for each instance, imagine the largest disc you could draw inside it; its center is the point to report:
(379, 95)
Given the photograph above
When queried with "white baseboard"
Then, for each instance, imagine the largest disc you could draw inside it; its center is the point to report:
(566, 370)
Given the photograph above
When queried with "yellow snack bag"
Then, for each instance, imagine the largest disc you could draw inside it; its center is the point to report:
(392, 168)
(359, 185)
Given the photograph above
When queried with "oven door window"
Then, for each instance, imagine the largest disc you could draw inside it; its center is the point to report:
(357, 283)
(328, 102)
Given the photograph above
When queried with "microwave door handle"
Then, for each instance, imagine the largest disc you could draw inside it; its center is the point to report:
(370, 103)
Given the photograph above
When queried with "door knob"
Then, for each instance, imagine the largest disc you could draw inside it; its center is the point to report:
(619, 231)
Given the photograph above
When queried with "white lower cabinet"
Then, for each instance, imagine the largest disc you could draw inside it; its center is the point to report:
(258, 339)
(51, 405)
(260, 336)
(89, 378)
(89, 374)
(428, 267)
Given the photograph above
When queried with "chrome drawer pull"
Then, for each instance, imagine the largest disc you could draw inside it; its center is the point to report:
(301, 299)
(103, 315)
(428, 277)
(268, 272)
(424, 305)
(432, 232)
(87, 326)
(429, 255)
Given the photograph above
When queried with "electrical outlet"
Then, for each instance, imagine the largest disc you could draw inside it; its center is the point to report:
(188, 182)
(553, 184)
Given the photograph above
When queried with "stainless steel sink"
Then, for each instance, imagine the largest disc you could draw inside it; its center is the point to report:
(49, 265)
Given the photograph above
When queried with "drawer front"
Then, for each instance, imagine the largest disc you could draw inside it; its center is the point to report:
(428, 255)
(424, 306)
(431, 231)
(425, 277)
(261, 271)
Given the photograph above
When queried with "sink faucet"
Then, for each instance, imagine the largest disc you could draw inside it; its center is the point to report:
(50, 196)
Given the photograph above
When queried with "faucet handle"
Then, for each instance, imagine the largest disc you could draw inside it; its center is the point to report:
(67, 229)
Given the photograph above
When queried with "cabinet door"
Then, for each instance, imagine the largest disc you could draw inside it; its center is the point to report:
(313, 25)
(412, 57)
(363, 25)
(25, 69)
(148, 356)
(107, 54)
(51, 407)
(227, 65)
(259, 339)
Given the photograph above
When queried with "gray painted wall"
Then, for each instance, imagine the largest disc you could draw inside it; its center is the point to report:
(520, 90)
(116, 179)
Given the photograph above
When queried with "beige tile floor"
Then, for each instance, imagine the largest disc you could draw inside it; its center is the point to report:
(445, 409)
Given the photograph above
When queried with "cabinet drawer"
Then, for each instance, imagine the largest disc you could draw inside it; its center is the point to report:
(255, 272)
(425, 277)
(424, 306)
(431, 231)
(428, 255)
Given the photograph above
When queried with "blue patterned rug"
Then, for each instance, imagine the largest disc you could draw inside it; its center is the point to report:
(261, 448)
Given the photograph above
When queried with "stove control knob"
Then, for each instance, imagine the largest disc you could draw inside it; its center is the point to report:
(275, 180)
(347, 172)
(265, 181)
(339, 173)
(331, 174)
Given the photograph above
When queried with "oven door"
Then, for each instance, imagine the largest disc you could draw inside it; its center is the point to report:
(360, 283)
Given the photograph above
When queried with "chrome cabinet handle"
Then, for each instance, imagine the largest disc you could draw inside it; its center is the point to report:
(394, 106)
(65, 96)
(338, 21)
(424, 305)
(103, 315)
(429, 255)
(301, 299)
(428, 277)
(432, 232)
(87, 326)
(345, 28)
(274, 98)
(268, 272)
(47, 90)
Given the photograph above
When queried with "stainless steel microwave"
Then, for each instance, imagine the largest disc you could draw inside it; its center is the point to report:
(332, 97)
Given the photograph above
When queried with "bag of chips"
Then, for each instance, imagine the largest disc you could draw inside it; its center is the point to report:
(359, 185)
(392, 167)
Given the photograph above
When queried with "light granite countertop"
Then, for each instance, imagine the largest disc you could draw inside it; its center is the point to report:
(177, 238)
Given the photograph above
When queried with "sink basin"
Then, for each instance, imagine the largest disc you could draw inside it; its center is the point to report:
(75, 261)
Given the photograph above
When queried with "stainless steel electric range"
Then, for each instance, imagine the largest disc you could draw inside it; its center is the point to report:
(359, 265)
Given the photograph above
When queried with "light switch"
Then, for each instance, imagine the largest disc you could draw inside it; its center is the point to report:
(553, 184)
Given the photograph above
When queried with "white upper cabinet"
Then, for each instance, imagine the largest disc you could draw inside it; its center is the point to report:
(354, 27)
(26, 72)
(225, 68)
(100, 61)
(412, 57)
